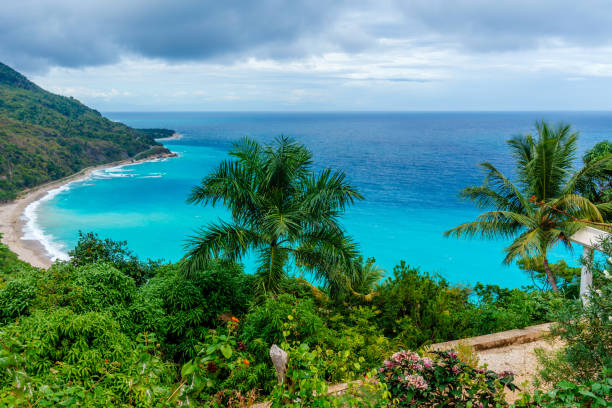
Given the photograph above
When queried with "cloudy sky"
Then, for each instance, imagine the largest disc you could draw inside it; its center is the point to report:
(316, 54)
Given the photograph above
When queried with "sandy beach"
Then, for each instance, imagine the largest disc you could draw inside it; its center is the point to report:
(12, 221)
(175, 136)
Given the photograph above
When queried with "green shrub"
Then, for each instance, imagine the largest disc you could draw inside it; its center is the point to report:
(264, 324)
(363, 346)
(61, 358)
(305, 384)
(192, 305)
(219, 358)
(418, 308)
(497, 309)
(17, 297)
(91, 249)
(587, 332)
(595, 394)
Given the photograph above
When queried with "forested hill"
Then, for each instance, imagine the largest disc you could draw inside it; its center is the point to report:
(45, 137)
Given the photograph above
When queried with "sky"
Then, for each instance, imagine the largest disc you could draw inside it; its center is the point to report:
(315, 55)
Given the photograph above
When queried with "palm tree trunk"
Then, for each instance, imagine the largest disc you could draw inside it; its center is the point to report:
(550, 276)
(271, 266)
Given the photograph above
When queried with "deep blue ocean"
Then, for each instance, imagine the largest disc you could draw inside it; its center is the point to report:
(409, 166)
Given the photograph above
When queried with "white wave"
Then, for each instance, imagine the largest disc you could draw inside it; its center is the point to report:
(112, 172)
(32, 231)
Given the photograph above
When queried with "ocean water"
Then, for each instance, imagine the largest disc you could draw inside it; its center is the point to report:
(409, 166)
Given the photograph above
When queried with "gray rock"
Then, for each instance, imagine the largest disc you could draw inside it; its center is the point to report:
(279, 359)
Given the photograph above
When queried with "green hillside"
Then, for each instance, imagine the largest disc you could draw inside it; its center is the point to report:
(45, 137)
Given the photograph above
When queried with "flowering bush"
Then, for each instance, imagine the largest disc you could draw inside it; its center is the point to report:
(220, 357)
(444, 380)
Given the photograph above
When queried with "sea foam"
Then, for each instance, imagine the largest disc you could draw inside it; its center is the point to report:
(32, 231)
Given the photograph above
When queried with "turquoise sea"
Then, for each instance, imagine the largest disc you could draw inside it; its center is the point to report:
(409, 166)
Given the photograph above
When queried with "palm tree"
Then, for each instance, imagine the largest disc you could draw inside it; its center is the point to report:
(542, 210)
(365, 278)
(280, 209)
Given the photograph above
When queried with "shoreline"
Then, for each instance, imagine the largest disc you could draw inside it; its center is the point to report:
(175, 136)
(13, 222)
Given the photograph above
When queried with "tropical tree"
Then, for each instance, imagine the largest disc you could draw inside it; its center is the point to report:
(281, 210)
(597, 185)
(542, 209)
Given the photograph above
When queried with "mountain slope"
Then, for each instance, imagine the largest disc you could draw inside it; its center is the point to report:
(45, 137)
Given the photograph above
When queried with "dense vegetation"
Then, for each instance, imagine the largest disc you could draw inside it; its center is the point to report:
(106, 329)
(45, 137)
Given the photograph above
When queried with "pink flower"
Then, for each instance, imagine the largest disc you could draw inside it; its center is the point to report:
(416, 366)
(455, 369)
(427, 362)
(416, 381)
(389, 364)
(452, 354)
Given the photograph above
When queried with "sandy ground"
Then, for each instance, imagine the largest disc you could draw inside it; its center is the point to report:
(175, 136)
(12, 220)
(518, 358)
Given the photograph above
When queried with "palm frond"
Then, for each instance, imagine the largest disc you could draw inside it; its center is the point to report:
(498, 192)
(329, 255)
(578, 207)
(270, 272)
(224, 240)
(492, 224)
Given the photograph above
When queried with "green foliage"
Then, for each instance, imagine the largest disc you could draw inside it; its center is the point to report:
(45, 137)
(566, 276)
(16, 298)
(417, 308)
(586, 330)
(9, 263)
(264, 325)
(305, 384)
(281, 209)
(360, 343)
(496, 309)
(415, 381)
(61, 358)
(190, 305)
(220, 357)
(91, 249)
(595, 394)
(596, 185)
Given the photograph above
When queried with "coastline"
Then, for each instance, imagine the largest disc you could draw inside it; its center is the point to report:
(12, 220)
(175, 136)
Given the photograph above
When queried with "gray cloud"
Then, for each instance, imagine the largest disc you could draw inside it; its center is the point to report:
(37, 34)
(485, 25)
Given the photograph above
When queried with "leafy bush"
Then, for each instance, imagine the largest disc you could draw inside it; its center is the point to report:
(444, 380)
(361, 342)
(417, 308)
(264, 324)
(191, 305)
(16, 297)
(305, 384)
(586, 329)
(497, 309)
(91, 249)
(595, 394)
(220, 357)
